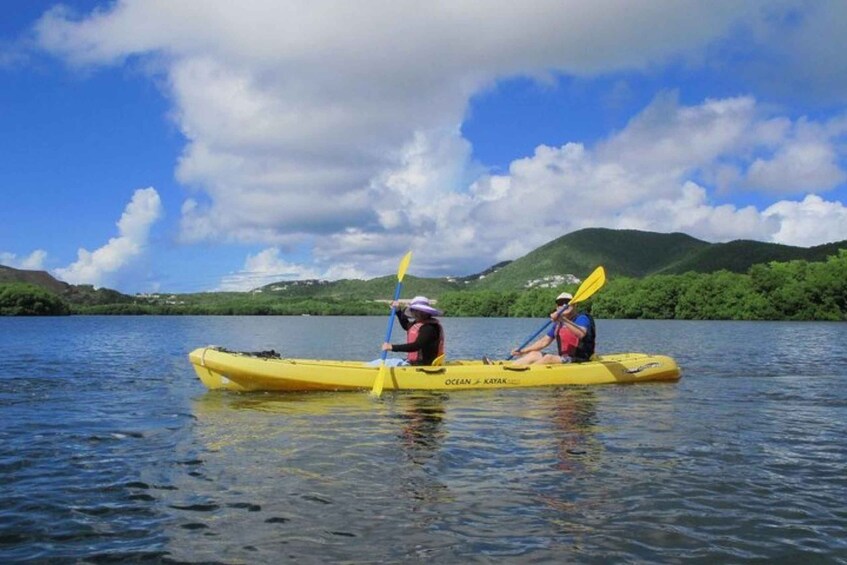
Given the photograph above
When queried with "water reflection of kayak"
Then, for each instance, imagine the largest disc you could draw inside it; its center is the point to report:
(229, 370)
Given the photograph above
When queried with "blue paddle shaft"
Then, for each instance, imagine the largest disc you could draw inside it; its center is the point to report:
(391, 319)
(544, 327)
(533, 336)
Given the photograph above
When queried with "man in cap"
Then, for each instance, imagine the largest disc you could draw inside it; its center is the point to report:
(424, 337)
(574, 335)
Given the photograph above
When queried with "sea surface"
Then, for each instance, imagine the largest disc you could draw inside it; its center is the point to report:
(112, 450)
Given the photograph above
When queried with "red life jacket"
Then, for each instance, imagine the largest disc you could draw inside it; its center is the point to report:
(566, 340)
(416, 357)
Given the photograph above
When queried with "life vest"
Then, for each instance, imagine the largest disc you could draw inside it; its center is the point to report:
(585, 349)
(417, 357)
(566, 340)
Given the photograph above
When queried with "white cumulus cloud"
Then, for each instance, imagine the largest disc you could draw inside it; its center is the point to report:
(267, 266)
(32, 262)
(338, 125)
(292, 111)
(807, 161)
(812, 221)
(95, 267)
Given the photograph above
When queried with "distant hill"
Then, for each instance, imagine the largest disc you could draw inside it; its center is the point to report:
(637, 254)
(474, 278)
(83, 294)
(738, 256)
(38, 278)
(372, 289)
(622, 252)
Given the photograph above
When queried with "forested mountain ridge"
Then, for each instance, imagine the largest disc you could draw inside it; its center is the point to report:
(83, 294)
(628, 253)
(739, 255)
(637, 254)
(42, 279)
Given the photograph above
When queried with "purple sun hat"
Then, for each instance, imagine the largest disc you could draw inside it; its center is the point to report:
(421, 304)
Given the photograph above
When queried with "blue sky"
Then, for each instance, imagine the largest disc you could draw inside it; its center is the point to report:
(174, 145)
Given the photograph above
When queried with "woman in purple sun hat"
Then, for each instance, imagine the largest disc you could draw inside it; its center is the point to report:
(424, 334)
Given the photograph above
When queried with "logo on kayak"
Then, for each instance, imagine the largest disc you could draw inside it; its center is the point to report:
(479, 381)
(644, 367)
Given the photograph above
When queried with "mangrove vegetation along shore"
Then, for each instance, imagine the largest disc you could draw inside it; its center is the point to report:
(22, 299)
(793, 290)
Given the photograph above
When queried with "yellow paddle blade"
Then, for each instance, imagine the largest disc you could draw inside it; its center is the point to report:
(379, 382)
(404, 264)
(590, 285)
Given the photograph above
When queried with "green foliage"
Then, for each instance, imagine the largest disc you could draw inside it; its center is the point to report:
(651, 298)
(720, 296)
(535, 303)
(87, 295)
(21, 299)
(488, 303)
(805, 291)
(715, 296)
(479, 303)
(738, 256)
(795, 290)
(242, 305)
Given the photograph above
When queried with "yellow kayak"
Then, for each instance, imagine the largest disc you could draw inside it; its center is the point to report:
(229, 370)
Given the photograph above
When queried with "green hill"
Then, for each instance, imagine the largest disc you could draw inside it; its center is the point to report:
(83, 294)
(622, 252)
(636, 254)
(38, 278)
(738, 256)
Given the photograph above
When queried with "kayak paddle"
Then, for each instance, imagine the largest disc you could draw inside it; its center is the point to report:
(589, 286)
(401, 272)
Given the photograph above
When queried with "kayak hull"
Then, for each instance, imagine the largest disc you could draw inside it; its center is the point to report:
(226, 370)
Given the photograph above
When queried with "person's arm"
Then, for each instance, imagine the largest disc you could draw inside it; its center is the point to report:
(427, 334)
(405, 323)
(540, 344)
(576, 326)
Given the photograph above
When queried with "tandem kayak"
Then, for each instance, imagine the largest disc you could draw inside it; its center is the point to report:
(220, 369)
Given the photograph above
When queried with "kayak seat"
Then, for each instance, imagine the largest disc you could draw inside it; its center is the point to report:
(438, 361)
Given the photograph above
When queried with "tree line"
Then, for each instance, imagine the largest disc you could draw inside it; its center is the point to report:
(794, 290)
(22, 299)
(246, 307)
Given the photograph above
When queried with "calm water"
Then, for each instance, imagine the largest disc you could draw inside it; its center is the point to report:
(111, 449)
